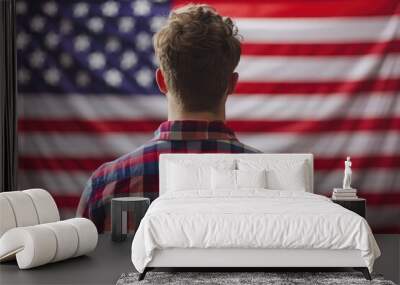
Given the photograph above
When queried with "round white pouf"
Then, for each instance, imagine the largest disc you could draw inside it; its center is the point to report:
(45, 205)
(87, 234)
(7, 218)
(33, 246)
(40, 244)
(67, 240)
(23, 208)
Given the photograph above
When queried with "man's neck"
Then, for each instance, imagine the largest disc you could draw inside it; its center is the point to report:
(175, 113)
(198, 116)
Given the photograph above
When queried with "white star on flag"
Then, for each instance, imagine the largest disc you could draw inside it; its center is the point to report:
(66, 60)
(37, 23)
(21, 7)
(82, 78)
(81, 10)
(141, 7)
(65, 27)
(37, 59)
(23, 76)
(97, 60)
(50, 8)
(154, 60)
(112, 45)
(126, 24)
(157, 22)
(143, 41)
(52, 40)
(52, 76)
(22, 40)
(144, 77)
(128, 60)
(81, 43)
(96, 24)
(110, 8)
(113, 77)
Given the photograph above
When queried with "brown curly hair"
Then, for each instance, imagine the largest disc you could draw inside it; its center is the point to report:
(197, 50)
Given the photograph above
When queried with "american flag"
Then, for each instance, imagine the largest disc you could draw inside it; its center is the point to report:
(319, 77)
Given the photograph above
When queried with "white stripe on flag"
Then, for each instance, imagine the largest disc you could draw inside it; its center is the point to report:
(73, 182)
(319, 30)
(116, 144)
(58, 182)
(306, 69)
(374, 180)
(80, 145)
(327, 145)
(249, 107)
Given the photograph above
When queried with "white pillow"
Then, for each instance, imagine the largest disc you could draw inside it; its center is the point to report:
(251, 179)
(193, 176)
(223, 179)
(281, 174)
(235, 179)
(183, 178)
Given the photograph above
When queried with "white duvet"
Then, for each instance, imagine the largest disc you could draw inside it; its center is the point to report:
(250, 219)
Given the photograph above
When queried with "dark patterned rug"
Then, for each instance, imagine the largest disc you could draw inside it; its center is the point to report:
(243, 278)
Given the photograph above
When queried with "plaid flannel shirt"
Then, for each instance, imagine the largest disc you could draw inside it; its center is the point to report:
(136, 173)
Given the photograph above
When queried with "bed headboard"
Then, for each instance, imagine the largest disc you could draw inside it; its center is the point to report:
(209, 157)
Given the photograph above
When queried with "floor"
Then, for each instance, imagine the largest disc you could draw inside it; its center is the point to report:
(111, 259)
(103, 266)
(389, 263)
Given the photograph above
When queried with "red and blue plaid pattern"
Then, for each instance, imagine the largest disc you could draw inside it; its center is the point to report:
(136, 173)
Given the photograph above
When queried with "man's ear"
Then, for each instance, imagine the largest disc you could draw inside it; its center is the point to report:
(161, 81)
(232, 82)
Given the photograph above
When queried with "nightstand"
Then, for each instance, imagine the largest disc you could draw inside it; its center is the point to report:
(357, 205)
(119, 214)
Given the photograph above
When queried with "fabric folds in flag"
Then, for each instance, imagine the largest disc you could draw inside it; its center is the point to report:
(315, 77)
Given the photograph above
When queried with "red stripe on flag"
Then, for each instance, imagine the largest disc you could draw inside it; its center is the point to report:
(315, 126)
(310, 88)
(364, 162)
(386, 230)
(62, 163)
(318, 49)
(66, 202)
(87, 126)
(253, 126)
(301, 8)
(384, 197)
(90, 163)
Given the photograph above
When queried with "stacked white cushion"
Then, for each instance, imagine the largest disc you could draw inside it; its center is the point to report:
(87, 235)
(282, 174)
(32, 246)
(23, 208)
(7, 219)
(26, 208)
(40, 244)
(45, 205)
(31, 230)
(67, 240)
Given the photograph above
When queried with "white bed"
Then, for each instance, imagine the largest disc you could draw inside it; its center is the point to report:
(250, 227)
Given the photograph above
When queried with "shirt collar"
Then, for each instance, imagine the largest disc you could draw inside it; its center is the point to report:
(194, 130)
